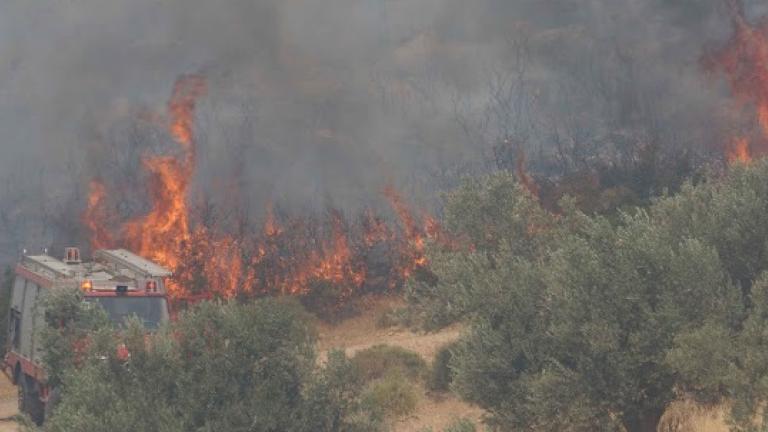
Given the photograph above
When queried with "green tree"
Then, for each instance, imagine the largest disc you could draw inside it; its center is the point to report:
(588, 323)
(499, 220)
(228, 366)
(714, 362)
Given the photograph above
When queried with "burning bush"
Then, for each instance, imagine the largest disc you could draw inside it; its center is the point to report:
(326, 260)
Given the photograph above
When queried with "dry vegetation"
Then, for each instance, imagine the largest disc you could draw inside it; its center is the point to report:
(687, 416)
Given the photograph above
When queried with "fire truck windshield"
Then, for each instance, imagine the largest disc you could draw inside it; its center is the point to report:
(150, 310)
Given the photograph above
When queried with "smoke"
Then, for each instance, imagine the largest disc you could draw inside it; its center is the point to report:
(312, 103)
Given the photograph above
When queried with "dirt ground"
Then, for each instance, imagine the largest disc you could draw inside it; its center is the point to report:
(361, 332)
(8, 405)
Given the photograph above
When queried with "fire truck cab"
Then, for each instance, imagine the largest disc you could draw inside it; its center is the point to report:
(121, 282)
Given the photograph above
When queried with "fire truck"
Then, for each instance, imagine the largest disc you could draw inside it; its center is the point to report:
(124, 284)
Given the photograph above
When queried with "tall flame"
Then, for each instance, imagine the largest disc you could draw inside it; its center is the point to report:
(95, 216)
(288, 257)
(416, 235)
(745, 62)
(163, 232)
(738, 151)
(521, 171)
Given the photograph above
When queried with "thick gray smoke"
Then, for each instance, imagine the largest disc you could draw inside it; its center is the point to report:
(324, 102)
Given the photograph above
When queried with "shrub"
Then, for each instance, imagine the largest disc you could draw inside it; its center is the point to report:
(328, 301)
(379, 361)
(219, 366)
(402, 316)
(393, 395)
(440, 374)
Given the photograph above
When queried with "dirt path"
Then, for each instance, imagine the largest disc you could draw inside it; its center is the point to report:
(361, 332)
(8, 405)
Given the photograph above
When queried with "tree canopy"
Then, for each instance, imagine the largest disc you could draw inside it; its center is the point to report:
(582, 323)
(229, 366)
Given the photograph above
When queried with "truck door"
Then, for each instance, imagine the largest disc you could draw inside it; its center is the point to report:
(14, 317)
(28, 319)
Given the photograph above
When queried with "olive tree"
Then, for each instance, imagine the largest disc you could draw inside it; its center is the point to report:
(596, 324)
(219, 366)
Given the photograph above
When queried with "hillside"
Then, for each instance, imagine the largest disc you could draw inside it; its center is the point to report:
(437, 412)
(361, 332)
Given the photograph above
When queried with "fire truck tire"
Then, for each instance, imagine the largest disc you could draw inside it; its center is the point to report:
(29, 400)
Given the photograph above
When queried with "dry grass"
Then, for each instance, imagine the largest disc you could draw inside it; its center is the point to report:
(687, 416)
(362, 332)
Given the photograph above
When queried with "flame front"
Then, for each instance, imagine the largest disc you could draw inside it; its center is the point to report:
(95, 215)
(165, 230)
(745, 62)
(738, 151)
(290, 258)
(521, 171)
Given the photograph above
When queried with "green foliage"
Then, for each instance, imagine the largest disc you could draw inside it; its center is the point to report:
(494, 212)
(381, 360)
(220, 366)
(400, 316)
(74, 332)
(714, 361)
(581, 323)
(391, 374)
(392, 395)
(333, 401)
(727, 214)
(440, 374)
(328, 301)
(501, 221)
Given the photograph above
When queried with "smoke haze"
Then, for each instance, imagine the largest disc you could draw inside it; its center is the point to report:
(314, 103)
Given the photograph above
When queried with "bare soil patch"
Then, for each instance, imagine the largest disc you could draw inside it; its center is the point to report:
(361, 332)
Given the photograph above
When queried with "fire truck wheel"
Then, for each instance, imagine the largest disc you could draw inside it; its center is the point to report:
(29, 400)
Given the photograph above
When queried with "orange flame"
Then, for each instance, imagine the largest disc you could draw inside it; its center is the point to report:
(163, 232)
(285, 258)
(271, 227)
(413, 257)
(738, 151)
(375, 229)
(522, 174)
(745, 61)
(95, 216)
